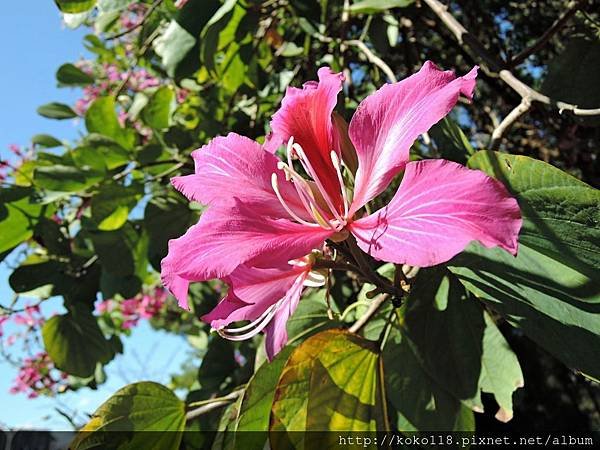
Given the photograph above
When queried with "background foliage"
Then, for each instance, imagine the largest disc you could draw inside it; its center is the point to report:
(89, 220)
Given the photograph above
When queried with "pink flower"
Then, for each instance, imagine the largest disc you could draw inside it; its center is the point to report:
(180, 3)
(262, 212)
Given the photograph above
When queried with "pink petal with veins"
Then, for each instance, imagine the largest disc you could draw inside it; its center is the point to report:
(438, 210)
(387, 123)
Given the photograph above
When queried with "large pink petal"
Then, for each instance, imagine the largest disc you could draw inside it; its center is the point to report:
(252, 291)
(387, 123)
(439, 208)
(305, 114)
(237, 167)
(224, 238)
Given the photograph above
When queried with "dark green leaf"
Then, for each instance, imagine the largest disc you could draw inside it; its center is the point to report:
(75, 343)
(112, 204)
(56, 110)
(458, 344)
(71, 75)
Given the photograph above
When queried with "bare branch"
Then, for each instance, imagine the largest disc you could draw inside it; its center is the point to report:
(507, 122)
(570, 11)
(149, 12)
(496, 68)
(373, 58)
(373, 307)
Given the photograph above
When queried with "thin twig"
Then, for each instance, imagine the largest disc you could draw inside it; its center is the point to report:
(148, 13)
(373, 307)
(507, 122)
(570, 11)
(495, 68)
(372, 57)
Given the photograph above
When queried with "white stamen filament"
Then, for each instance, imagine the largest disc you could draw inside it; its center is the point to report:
(338, 170)
(306, 196)
(309, 169)
(255, 327)
(275, 185)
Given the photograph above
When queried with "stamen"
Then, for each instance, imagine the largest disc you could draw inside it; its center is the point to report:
(255, 327)
(309, 169)
(275, 185)
(338, 170)
(306, 196)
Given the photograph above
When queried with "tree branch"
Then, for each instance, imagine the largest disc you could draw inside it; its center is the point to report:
(373, 307)
(373, 58)
(507, 122)
(497, 68)
(570, 11)
(149, 12)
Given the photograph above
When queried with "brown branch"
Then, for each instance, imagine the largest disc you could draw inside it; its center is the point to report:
(496, 68)
(570, 11)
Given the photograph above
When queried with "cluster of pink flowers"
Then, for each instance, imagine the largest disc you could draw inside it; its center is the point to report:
(133, 15)
(31, 319)
(137, 81)
(145, 306)
(38, 376)
(20, 156)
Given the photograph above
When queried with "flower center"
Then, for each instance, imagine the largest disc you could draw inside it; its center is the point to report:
(326, 216)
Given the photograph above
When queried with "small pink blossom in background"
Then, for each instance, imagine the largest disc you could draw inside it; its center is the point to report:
(144, 306)
(133, 15)
(38, 375)
(9, 166)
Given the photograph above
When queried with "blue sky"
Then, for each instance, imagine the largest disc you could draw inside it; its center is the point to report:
(34, 44)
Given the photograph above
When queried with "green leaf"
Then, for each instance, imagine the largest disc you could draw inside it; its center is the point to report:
(551, 289)
(112, 204)
(45, 140)
(561, 214)
(458, 344)
(115, 249)
(64, 178)
(18, 216)
(158, 111)
(420, 402)
(331, 382)
(71, 75)
(140, 415)
(101, 117)
(377, 6)
(56, 110)
(256, 403)
(555, 305)
(450, 141)
(164, 219)
(75, 6)
(75, 343)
